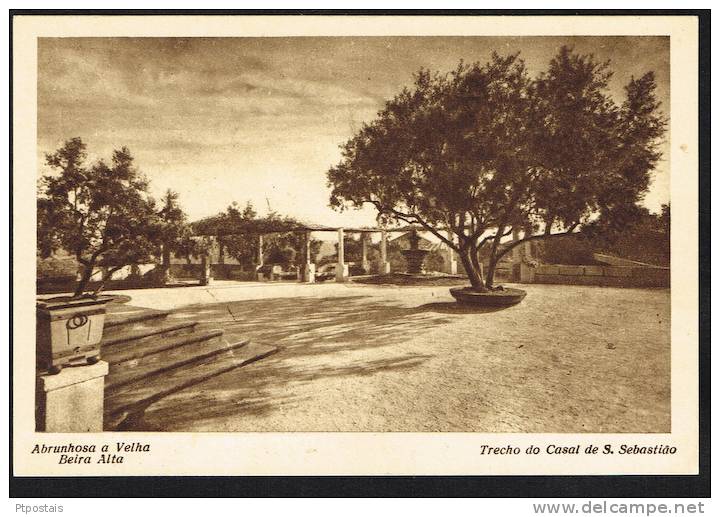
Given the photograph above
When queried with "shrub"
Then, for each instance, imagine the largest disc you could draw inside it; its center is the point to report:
(568, 250)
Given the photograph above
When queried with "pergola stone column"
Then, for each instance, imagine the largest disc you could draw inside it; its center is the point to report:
(384, 264)
(259, 262)
(450, 260)
(307, 268)
(205, 263)
(341, 269)
(365, 264)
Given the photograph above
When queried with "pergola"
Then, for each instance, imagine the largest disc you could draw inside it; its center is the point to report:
(307, 268)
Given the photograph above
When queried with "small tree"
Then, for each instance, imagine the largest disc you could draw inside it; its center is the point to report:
(101, 214)
(174, 232)
(237, 232)
(486, 151)
(242, 248)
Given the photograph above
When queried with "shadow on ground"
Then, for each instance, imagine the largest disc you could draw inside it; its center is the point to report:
(318, 338)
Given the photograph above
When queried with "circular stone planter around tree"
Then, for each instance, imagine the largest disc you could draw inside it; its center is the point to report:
(499, 298)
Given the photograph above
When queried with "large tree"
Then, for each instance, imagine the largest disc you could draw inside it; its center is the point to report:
(487, 151)
(101, 214)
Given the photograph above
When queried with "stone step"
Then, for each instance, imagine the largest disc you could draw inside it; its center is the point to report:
(131, 337)
(121, 354)
(116, 321)
(194, 351)
(132, 399)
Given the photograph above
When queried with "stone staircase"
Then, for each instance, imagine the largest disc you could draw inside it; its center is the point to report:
(151, 358)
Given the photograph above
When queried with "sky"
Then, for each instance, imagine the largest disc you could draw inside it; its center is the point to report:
(261, 119)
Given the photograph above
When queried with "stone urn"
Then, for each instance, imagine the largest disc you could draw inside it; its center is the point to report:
(69, 331)
(414, 256)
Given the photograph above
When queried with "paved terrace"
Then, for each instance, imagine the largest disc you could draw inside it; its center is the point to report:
(381, 358)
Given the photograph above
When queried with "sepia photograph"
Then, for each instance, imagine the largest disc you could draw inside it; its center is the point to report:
(362, 233)
(423, 234)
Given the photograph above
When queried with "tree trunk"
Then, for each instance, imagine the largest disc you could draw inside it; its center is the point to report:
(104, 279)
(84, 279)
(492, 267)
(107, 275)
(166, 256)
(472, 268)
(475, 259)
(494, 257)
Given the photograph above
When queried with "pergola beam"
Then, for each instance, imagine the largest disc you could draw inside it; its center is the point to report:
(306, 271)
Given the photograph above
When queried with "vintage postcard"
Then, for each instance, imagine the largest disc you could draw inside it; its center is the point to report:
(355, 245)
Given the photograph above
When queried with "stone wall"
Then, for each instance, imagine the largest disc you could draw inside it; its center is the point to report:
(608, 276)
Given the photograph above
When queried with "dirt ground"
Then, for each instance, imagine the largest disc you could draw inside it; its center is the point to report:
(380, 358)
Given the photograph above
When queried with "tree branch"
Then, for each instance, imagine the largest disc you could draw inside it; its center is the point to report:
(106, 276)
(429, 228)
(80, 259)
(482, 242)
(414, 218)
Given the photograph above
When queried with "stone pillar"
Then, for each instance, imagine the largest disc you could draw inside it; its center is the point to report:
(260, 261)
(307, 269)
(341, 269)
(205, 271)
(365, 264)
(450, 260)
(71, 401)
(384, 264)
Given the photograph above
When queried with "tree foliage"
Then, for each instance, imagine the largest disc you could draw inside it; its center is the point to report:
(486, 150)
(175, 234)
(101, 213)
(646, 239)
(174, 228)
